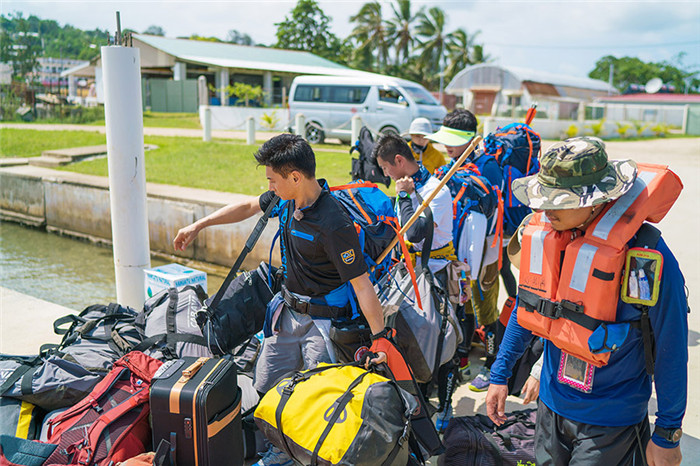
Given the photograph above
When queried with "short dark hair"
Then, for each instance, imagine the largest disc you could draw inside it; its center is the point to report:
(287, 152)
(460, 119)
(389, 145)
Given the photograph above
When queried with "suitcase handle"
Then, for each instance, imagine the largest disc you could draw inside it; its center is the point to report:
(192, 370)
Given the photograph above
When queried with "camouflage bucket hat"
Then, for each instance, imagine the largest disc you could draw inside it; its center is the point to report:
(575, 173)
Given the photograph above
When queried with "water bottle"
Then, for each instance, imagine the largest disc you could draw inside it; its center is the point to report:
(644, 290)
(443, 418)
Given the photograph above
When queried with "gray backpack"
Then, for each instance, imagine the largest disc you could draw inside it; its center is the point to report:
(19, 419)
(98, 336)
(48, 381)
(169, 319)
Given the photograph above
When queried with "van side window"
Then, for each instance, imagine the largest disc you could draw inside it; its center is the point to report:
(348, 94)
(389, 94)
(307, 93)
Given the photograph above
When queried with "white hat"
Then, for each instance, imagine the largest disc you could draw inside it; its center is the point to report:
(421, 126)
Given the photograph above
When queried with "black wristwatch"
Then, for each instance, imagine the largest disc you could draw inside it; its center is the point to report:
(404, 195)
(671, 435)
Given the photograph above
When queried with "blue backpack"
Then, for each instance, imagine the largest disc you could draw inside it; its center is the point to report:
(516, 148)
(471, 192)
(375, 221)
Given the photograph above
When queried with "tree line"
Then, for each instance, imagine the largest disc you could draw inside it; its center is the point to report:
(398, 40)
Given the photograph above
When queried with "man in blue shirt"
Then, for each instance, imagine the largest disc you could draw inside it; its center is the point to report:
(587, 414)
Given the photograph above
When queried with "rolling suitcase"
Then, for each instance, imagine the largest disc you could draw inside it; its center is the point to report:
(196, 412)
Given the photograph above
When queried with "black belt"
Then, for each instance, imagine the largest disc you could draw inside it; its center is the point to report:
(314, 310)
(556, 309)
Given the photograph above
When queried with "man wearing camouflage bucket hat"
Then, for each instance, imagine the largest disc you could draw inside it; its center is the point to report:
(593, 412)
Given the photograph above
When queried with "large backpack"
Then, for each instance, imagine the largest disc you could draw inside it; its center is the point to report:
(472, 193)
(366, 167)
(375, 220)
(516, 147)
(98, 336)
(111, 424)
(170, 324)
(477, 441)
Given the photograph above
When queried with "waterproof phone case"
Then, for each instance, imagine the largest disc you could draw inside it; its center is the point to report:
(642, 277)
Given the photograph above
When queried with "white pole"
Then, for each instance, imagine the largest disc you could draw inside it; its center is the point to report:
(355, 125)
(202, 90)
(250, 130)
(300, 121)
(206, 125)
(489, 126)
(127, 174)
(686, 113)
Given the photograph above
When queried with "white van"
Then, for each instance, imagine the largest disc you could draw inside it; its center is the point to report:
(385, 104)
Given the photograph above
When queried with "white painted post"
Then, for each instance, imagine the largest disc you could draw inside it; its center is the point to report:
(355, 125)
(300, 122)
(686, 113)
(179, 71)
(489, 125)
(127, 174)
(268, 88)
(202, 90)
(250, 130)
(72, 86)
(206, 126)
(581, 116)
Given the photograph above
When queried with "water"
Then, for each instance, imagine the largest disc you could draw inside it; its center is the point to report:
(61, 270)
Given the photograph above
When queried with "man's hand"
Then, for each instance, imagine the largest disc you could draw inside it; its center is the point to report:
(381, 357)
(658, 456)
(496, 403)
(185, 236)
(531, 390)
(405, 184)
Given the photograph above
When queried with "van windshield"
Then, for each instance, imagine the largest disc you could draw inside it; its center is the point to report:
(421, 96)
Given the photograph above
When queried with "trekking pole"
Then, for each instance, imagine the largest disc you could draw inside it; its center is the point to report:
(426, 202)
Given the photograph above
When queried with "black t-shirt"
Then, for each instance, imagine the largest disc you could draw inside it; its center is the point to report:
(321, 251)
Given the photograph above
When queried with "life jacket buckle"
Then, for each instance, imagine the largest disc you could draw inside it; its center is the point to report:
(549, 309)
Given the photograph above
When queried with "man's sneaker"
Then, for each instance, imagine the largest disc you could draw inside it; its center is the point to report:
(274, 457)
(465, 367)
(443, 418)
(482, 381)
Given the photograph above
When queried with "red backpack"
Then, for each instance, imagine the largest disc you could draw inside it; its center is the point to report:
(110, 424)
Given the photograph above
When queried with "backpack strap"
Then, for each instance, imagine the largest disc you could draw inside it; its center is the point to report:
(24, 367)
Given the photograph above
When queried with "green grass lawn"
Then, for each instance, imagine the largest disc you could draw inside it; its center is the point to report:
(31, 143)
(220, 165)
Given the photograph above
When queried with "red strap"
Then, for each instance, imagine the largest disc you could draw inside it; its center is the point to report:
(362, 211)
(499, 229)
(529, 157)
(456, 200)
(358, 184)
(409, 266)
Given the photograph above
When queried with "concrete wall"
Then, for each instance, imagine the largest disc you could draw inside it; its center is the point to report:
(556, 129)
(78, 205)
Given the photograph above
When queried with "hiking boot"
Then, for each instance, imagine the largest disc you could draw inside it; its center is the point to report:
(482, 381)
(274, 457)
(443, 419)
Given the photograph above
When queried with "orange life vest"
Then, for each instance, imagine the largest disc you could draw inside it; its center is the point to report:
(570, 284)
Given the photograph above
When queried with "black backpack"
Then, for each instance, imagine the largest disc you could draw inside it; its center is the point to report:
(366, 167)
(475, 440)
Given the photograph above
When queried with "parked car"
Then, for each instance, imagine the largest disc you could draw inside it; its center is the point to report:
(385, 104)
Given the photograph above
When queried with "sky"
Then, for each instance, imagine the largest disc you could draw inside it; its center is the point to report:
(565, 37)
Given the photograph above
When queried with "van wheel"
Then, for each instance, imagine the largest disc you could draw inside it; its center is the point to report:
(314, 133)
(389, 130)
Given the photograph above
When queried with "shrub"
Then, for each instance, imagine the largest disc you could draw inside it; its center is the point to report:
(597, 127)
(622, 128)
(571, 131)
(269, 120)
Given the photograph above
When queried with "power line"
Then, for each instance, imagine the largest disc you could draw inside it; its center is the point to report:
(592, 47)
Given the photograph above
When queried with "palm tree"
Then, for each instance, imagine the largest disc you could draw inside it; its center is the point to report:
(431, 27)
(462, 52)
(400, 28)
(370, 33)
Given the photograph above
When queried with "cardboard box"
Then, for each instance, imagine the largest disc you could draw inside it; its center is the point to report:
(172, 275)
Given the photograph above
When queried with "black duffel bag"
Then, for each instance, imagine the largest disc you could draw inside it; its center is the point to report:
(239, 311)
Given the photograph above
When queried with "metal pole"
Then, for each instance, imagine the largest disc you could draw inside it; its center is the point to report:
(206, 125)
(127, 174)
(250, 130)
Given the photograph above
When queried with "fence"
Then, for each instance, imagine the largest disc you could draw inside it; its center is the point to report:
(165, 95)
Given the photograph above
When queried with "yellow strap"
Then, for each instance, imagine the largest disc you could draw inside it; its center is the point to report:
(25, 420)
(446, 252)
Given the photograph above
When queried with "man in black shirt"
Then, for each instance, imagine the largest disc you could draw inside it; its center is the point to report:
(321, 258)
